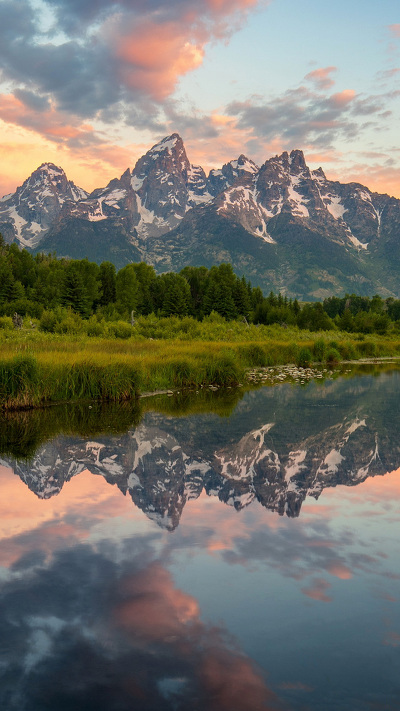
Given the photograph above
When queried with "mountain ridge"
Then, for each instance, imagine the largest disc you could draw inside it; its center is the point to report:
(154, 212)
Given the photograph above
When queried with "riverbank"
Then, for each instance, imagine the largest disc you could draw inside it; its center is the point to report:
(38, 369)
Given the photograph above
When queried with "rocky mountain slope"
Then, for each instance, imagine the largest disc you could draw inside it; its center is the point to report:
(282, 225)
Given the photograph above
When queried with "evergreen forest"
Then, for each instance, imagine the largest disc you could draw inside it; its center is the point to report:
(52, 290)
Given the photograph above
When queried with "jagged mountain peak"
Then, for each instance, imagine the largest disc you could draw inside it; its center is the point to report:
(297, 161)
(167, 156)
(36, 205)
(245, 164)
(54, 177)
(318, 174)
(292, 162)
(169, 143)
(49, 167)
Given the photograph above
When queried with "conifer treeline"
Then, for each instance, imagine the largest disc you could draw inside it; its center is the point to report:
(30, 285)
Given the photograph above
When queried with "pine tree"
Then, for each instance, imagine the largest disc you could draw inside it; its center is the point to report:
(127, 288)
(74, 293)
(107, 277)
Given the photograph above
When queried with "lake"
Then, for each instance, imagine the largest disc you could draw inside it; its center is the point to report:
(227, 551)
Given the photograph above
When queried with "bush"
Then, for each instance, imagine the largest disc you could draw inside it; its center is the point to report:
(94, 327)
(6, 323)
(214, 317)
(368, 349)
(332, 356)
(72, 324)
(319, 349)
(48, 321)
(119, 329)
(304, 358)
(348, 351)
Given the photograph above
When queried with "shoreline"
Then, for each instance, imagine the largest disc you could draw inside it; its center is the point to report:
(251, 377)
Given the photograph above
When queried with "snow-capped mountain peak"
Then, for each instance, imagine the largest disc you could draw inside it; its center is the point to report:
(36, 206)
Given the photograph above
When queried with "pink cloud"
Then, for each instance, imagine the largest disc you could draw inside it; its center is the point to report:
(395, 30)
(155, 52)
(343, 98)
(50, 123)
(154, 57)
(340, 571)
(321, 77)
(392, 639)
(317, 591)
(152, 609)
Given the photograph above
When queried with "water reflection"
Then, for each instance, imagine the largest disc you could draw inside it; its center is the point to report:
(279, 446)
(84, 632)
(102, 608)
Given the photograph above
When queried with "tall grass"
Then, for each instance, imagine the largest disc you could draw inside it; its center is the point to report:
(38, 367)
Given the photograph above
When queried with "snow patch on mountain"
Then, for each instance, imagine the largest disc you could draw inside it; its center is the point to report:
(335, 206)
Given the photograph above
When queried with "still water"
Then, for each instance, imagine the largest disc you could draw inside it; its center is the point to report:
(219, 552)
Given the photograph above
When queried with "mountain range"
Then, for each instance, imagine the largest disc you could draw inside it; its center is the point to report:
(282, 225)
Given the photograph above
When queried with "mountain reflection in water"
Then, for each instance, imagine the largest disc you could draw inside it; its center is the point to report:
(279, 446)
(103, 607)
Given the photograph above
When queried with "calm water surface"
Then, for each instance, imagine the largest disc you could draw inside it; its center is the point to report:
(227, 553)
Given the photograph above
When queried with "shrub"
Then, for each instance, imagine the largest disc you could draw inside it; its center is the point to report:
(304, 358)
(72, 324)
(332, 356)
(348, 350)
(214, 317)
(367, 349)
(319, 349)
(48, 321)
(94, 327)
(6, 323)
(119, 329)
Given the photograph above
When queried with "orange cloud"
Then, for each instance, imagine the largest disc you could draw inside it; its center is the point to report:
(378, 178)
(153, 609)
(232, 683)
(21, 513)
(230, 142)
(23, 149)
(48, 123)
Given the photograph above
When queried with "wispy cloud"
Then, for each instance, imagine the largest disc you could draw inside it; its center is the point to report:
(322, 77)
(395, 30)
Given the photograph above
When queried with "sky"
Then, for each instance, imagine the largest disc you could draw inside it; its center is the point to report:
(91, 85)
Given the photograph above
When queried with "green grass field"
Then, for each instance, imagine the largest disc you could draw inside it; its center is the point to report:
(38, 368)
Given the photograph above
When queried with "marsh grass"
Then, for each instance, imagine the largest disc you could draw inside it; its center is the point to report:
(38, 367)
